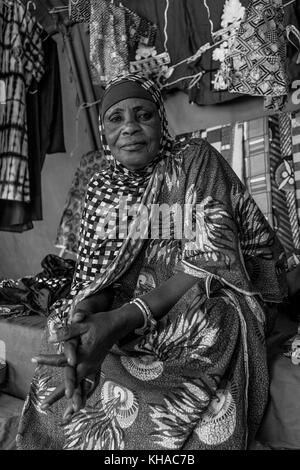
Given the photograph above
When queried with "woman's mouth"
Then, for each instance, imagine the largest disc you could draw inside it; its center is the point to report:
(133, 146)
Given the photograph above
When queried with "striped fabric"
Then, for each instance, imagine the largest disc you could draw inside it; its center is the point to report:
(257, 174)
(262, 157)
(279, 202)
(220, 137)
(285, 129)
(21, 60)
(296, 157)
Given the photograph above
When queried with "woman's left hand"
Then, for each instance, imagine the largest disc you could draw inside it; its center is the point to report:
(86, 343)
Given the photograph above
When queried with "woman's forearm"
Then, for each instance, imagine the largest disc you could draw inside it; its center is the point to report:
(160, 300)
(99, 302)
(164, 297)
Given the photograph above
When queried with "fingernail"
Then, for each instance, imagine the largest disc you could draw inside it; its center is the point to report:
(66, 420)
(45, 406)
(33, 359)
(68, 394)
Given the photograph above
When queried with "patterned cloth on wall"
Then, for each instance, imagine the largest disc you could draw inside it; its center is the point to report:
(115, 34)
(265, 146)
(296, 156)
(68, 230)
(279, 199)
(257, 61)
(79, 11)
(285, 176)
(21, 60)
(219, 137)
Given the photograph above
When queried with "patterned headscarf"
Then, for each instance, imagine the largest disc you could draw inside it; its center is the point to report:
(149, 87)
(100, 262)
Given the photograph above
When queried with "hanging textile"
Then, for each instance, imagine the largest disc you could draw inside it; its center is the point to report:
(77, 54)
(115, 34)
(257, 61)
(284, 175)
(292, 16)
(238, 150)
(21, 60)
(45, 122)
(79, 11)
(296, 157)
(280, 210)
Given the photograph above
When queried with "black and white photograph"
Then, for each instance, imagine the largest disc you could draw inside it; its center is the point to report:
(150, 228)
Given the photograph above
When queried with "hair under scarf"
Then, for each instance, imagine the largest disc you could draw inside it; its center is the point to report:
(115, 93)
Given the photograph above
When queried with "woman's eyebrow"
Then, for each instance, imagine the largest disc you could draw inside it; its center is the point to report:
(135, 108)
(114, 110)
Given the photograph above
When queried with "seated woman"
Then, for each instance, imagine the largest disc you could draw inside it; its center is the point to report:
(161, 343)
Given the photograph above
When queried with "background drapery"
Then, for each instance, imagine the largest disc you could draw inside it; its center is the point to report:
(77, 48)
(76, 39)
(21, 254)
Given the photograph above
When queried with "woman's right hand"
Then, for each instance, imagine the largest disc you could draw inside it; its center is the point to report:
(87, 341)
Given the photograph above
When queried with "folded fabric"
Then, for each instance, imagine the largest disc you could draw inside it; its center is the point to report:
(37, 293)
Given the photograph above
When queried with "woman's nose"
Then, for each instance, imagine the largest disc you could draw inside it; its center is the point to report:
(130, 125)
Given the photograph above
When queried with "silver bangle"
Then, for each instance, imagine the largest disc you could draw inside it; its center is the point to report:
(149, 321)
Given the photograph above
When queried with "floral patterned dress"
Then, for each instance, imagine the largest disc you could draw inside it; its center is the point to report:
(200, 381)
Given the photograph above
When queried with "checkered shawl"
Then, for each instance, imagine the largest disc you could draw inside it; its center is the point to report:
(101, 261)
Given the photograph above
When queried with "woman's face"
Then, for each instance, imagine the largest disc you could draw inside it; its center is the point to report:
(132, 129)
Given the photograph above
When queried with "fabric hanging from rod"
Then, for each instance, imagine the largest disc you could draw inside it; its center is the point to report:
(21, 62)
(76, 40)
(115, 35)
(45, 122)
(257, 61)
(39, 109)
(296, 157)
(280, 210)
(22, 59)
(285, 174)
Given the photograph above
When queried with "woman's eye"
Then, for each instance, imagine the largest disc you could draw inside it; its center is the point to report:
(145, 116)
(115, 118)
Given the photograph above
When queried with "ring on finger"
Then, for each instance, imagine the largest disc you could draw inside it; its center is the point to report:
(90, 382)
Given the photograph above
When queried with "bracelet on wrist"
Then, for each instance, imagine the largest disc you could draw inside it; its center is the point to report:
(150, 323)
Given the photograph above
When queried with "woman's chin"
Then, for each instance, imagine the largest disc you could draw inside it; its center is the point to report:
(136, 163)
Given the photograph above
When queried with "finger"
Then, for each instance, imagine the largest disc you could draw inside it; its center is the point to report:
(70, 380)
(88, 386)
(68, 413)
(58, 360)
(82, 371)
(68, 332)
(70, 348)
(84, 394)
(56, 395)
(78, 316)
(77, 398)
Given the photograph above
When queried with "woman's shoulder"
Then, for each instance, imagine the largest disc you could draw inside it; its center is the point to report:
(196, 149)
(199, 156)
